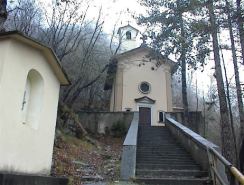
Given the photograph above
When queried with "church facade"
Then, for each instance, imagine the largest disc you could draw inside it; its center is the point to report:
(140, 80)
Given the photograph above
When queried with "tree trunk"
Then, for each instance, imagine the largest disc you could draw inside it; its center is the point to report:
(240, 27)
(77, 92)
(230, 111)
(3, 14)
(183, 69)
(238, 86)
(226, 134)
(237, 81)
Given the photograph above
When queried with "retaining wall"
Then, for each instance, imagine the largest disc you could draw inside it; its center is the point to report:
(102, 122)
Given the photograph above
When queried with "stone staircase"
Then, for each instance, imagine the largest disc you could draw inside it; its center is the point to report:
(161, 160)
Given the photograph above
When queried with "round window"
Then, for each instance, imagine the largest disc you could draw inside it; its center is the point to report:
(144, 87)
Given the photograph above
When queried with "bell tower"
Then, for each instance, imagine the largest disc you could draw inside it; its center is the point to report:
(128, 38)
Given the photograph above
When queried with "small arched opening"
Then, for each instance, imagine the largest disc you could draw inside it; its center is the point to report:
(128, 35)
(32, 100)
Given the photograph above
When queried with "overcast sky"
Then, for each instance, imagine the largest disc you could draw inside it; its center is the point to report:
(114, 10)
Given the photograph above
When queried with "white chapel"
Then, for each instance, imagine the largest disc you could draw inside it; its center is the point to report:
(140, 79)
(30, 79)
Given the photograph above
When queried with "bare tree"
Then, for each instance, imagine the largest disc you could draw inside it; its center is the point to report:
(226, 134)
(240, 26)
(3, 14)
(66, 24)
(78, 42)
(236, 72)
(25, 17)
(74, 91)
(114, 48)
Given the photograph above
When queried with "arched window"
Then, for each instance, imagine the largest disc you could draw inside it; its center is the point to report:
(128, 35)
(32, 99)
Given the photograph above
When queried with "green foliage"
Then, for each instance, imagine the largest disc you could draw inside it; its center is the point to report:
(179, 28)
(118, 129)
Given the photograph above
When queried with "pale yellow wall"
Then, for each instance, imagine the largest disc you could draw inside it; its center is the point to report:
(3, 47)
(117, 91)
(24, 149)
(111, 106)
(169, 91)
(133, 75)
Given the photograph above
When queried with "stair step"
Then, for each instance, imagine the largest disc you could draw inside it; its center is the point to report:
(167, 166)
(157, 159)
(167, 137)
(168, 143)
(174, 160)
(161, 159)
(169, 173)
(155, 134)
(159, 152)
(160, 148)
(171, 149)
(163, 155)
(169, 163)
(173, 181)
(163, 148)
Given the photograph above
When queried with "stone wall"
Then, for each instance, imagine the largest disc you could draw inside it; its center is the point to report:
(14, 179)
(195, 144)
(102, 122)
(196, 121)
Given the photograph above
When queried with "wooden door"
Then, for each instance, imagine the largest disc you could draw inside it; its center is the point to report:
(145, 116)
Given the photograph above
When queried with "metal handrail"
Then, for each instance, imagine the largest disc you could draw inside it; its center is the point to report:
(221, 158)
(222, 171)
(234, 173)
(237, 174)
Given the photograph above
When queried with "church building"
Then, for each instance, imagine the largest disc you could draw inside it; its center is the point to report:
(140, 79)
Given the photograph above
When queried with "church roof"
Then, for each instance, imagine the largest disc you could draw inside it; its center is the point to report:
(152, 54)
(128, 25)
(46, 50)
(112, 69)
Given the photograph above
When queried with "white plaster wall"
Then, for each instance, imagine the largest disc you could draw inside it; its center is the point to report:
(133, 75)
(24, 149)
(3, 49)
(126, 44)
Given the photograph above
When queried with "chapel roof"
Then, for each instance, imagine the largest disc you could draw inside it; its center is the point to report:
(46, 50)
(112, 69)
(151, 54)
(128, 25)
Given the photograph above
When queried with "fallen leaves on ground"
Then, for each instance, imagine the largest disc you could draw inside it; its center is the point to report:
(79, 160)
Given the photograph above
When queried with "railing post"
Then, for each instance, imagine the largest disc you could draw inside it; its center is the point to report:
(211, 167)
(232, 178)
